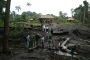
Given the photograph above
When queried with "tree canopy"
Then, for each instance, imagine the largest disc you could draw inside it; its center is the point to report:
(1, 8)
(81, 12)
(24, 16)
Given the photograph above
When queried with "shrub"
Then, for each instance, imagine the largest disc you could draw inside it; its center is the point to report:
(16, 33)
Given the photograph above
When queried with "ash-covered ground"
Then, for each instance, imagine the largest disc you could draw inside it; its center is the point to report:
(59, 47)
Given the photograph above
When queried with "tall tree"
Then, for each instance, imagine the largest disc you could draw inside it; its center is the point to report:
(81, 12)
(18, 8)
(12, 15)
(72, 12)
(6, 27)
(1, 8)
(28, 4)
(85, 11)
(60, 13)
(24, 16)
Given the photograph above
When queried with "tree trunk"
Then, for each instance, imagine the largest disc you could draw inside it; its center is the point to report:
(84, 16)
(6, 28)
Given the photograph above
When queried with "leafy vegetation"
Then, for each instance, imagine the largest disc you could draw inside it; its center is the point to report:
(16, 33)
(1, 8)
(1, 23)
(31, 18)
(81, 12)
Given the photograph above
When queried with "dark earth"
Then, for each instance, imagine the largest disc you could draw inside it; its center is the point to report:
(79, 35)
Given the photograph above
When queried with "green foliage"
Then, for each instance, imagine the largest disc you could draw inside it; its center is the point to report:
(81, 12)
(12, 16)
(1, 23)
(29, 15)
(18, 18)
(17, 32)
(35, 23)
(61, 18)
(63, 15)
(24, 17)
(1, 8)
(18, 8)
